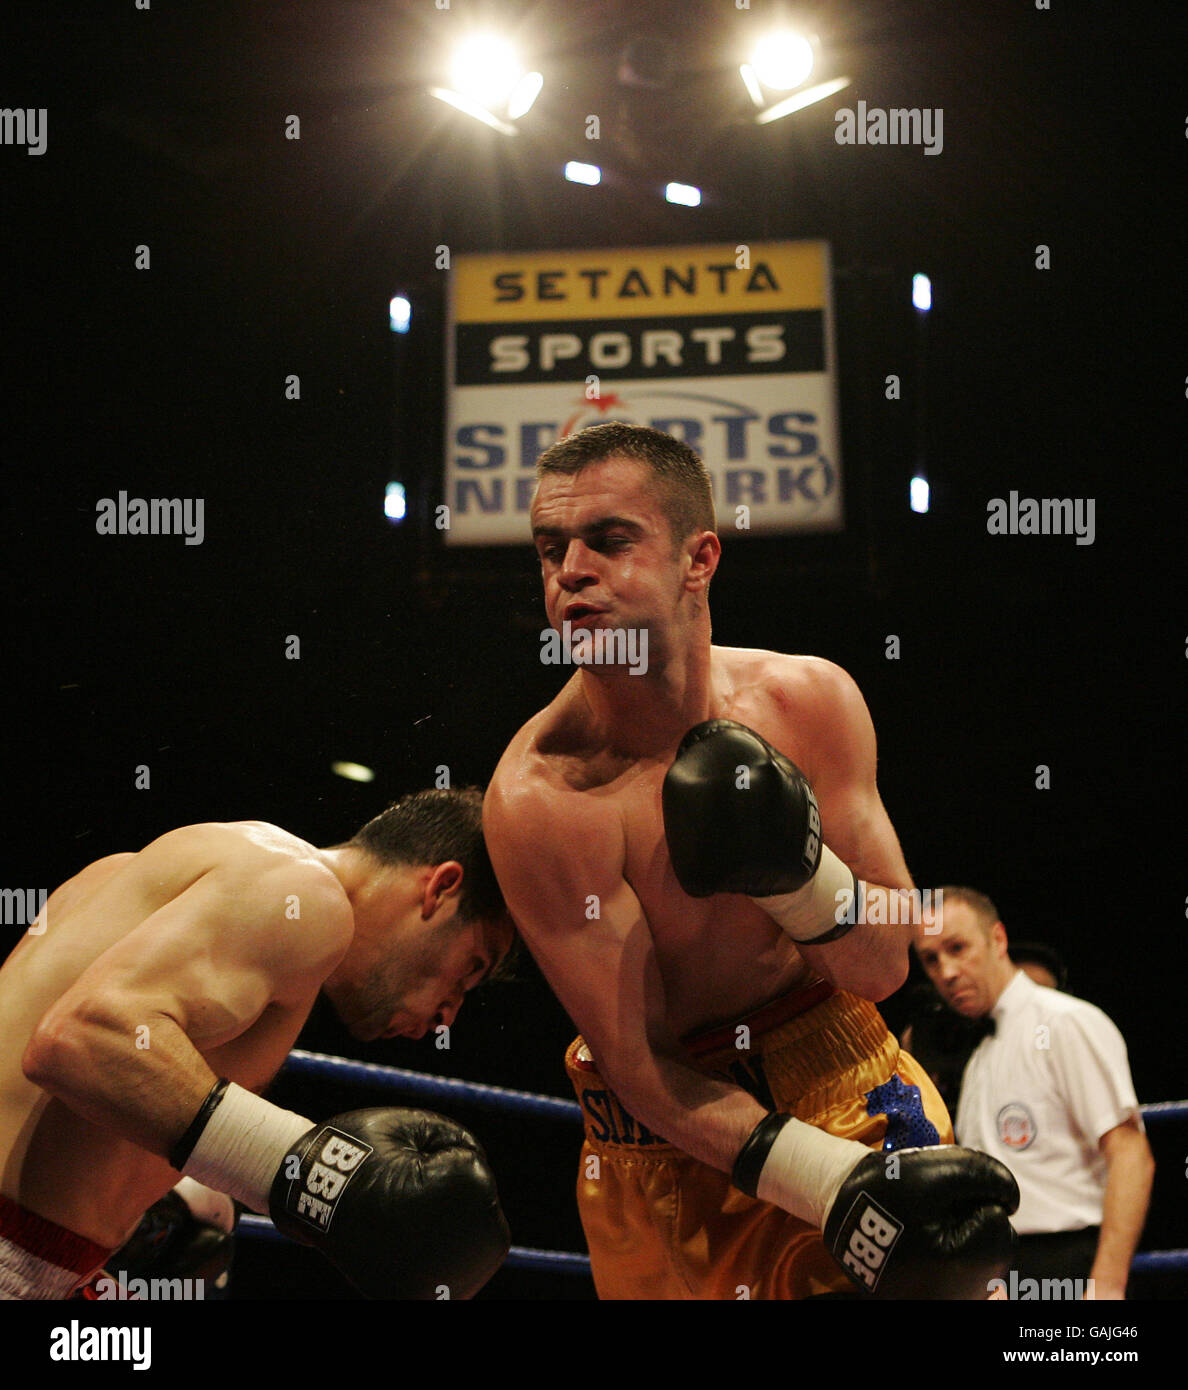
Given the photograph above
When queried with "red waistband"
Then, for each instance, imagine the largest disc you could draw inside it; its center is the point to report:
(761, 1020)
(48, 1241)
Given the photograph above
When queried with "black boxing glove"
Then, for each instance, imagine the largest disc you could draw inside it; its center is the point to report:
(912, 1223)
(402, 1202)
(939, 1229)
(740, 817)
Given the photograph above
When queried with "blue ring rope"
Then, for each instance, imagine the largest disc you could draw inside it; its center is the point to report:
(448, 1088)
(1159, 1261)
(519, 1257)
(437, 1087)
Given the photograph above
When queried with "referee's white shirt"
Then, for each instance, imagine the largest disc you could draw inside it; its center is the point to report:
(1039, 1094)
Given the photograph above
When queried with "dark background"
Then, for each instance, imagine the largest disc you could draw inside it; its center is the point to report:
(272, 257)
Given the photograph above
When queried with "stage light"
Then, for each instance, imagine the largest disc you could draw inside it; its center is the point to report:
(399, 314)
(524, 93)
(395, 503)
(751, 83)
(922, 292)
(583, 173)
(798, 100)
(472, 108)
(490, 84)
(684, 194)
(353, 772)
(782, 61)
(486, 70)
(920, 494)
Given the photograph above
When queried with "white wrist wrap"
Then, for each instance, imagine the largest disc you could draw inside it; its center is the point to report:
(804, 1169)
(819, 906)
(243, 1145)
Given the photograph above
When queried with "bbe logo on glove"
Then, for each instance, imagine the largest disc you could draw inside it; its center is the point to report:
(330, 1160)
(867, 1236)
(812, 841)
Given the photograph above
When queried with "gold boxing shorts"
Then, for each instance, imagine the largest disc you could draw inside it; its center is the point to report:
(659, 1224)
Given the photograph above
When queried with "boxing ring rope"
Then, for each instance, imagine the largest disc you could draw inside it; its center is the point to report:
(1165, 1110)
(420, 1084)
(443, 1088)
(518, 1257)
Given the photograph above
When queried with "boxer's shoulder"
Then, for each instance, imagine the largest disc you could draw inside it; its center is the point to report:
(247, 844)
(807, 707)
(542, 787)
(539, 823)
(251, 865)
(556, 752)
(804, 683)
(90, 878)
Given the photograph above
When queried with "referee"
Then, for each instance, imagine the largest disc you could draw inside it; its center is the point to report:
(1048, 1092)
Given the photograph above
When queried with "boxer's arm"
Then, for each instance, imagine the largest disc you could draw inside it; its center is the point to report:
(832, 722)
(123, 1046)
(560, 869)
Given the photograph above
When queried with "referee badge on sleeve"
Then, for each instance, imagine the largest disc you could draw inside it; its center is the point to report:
(1016, 1126)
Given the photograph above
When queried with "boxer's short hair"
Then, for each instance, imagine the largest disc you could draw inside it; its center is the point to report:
(430, 827)
(684, 482)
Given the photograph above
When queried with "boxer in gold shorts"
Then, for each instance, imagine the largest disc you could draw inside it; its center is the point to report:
(826, 1058)
(672, 869)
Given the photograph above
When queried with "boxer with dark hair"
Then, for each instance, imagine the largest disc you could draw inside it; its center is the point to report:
(158, 992)
(677, 878)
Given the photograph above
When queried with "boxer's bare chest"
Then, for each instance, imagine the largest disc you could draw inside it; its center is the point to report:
(719, 957)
